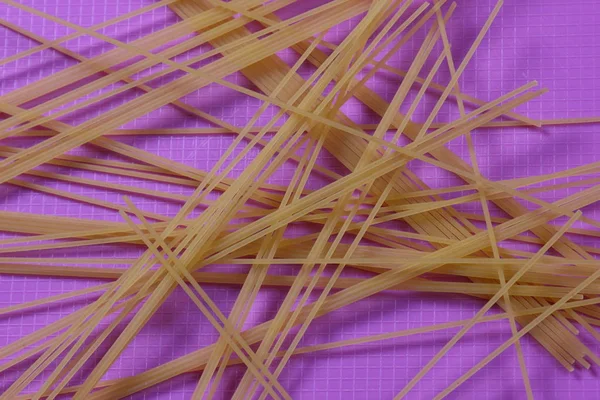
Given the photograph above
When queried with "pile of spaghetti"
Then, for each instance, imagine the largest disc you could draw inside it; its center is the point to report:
(370, 226)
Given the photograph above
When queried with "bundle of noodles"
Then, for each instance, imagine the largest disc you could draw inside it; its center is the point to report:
(376, 216)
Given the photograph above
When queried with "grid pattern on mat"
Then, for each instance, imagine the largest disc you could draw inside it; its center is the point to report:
(553, 42)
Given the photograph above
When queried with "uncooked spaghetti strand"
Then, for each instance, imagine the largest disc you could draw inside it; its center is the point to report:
(231, 130)
(586, 325)
(70, 159)
(67, 260)
(312, 163)
(565, 352)
(200, 131)
(576, 231)
(81, 58)
(115, 292)
(337, 146)
(55, 327)
(361, 62)
(128, 282)
(541, 122)
(194, 131)
(61, 271)
(43, 333)
(89, 165)
(421, 92)
(515, 183)
(30, 224)
(385, 262)
(376, 168)
(505, 188)
(27, 354)
(44, 220)
(563, 336)
(587, 266)
(240, 155)
(361, 45)
(52, 299)
(283, 105)
(580, 170)
(129, 169)
(245, 12)
(133, 239)
(38, 335)
(167, 164)
(447, 325)
(157, 194)
(357, 85)
(191, 9)
(77, 197)
(424, 207)
(82, 233)
(380, 130)
(333, 279)
(51, 329)
(314, 310)
(86, 238)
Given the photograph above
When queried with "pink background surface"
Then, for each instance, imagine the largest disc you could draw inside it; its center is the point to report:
(553, 42)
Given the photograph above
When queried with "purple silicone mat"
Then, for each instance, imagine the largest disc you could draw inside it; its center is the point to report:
(553, 42)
